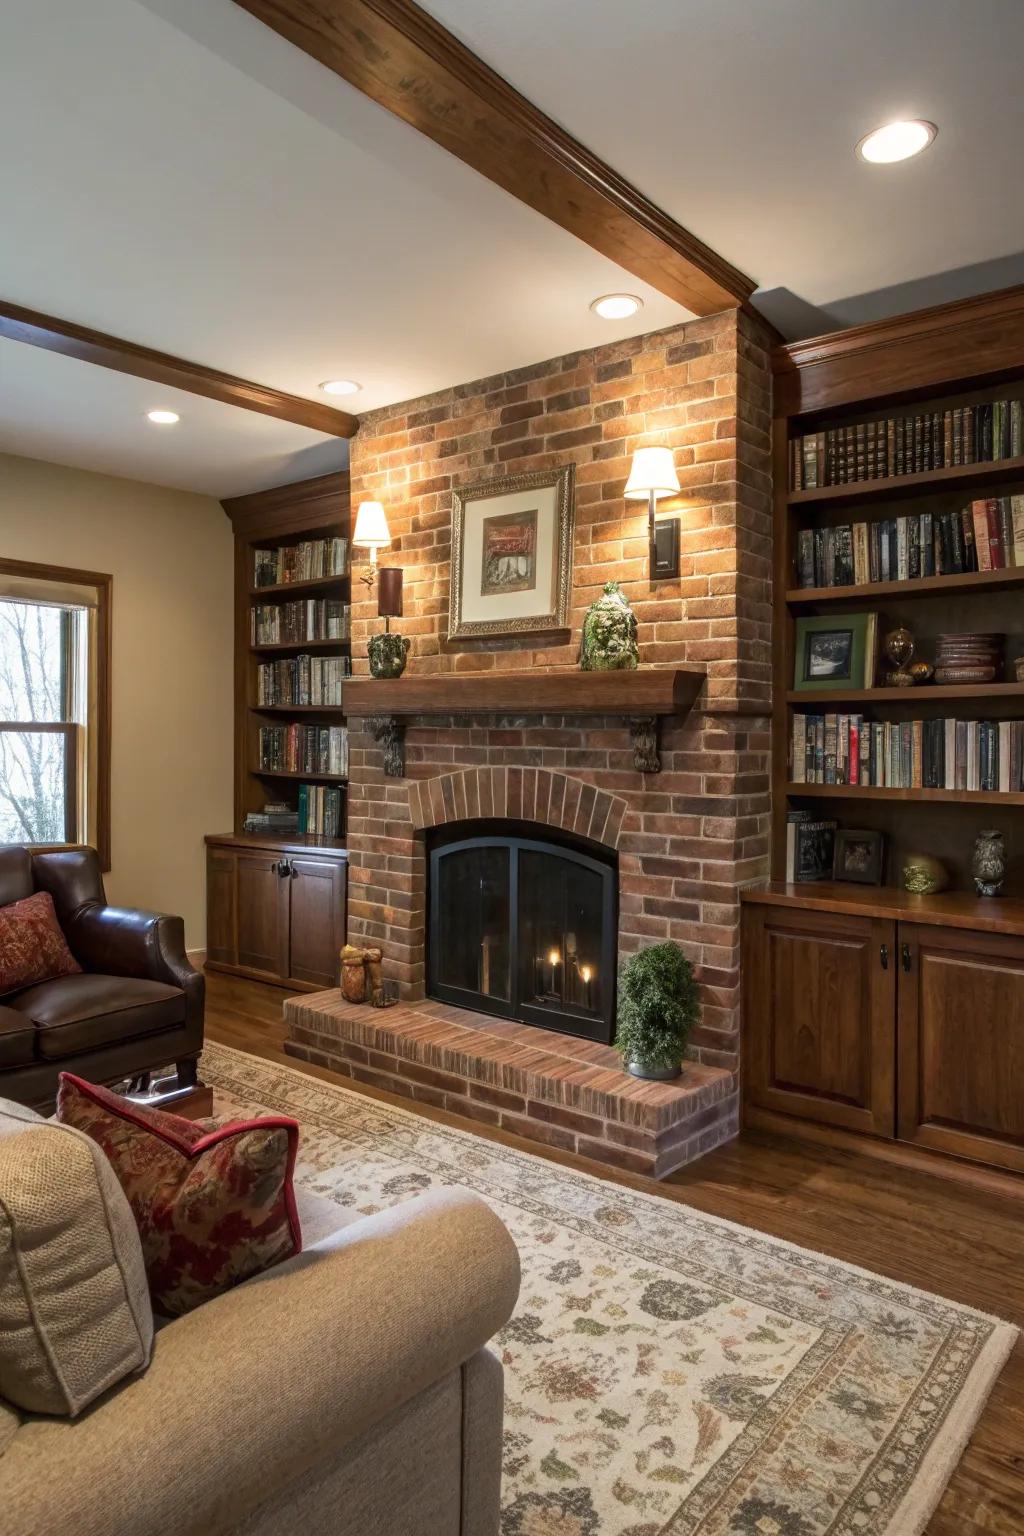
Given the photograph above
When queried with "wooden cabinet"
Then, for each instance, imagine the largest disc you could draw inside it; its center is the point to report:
(275, 911)
(862, 1015)
(819, 996)
(961, 1043)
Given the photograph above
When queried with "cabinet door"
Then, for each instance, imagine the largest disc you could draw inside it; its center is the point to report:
(262, 905)
(961, 1043)
(316, 895)
(819, 1006)
(221, 938)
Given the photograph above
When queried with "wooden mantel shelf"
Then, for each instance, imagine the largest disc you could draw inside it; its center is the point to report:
(650, 691)
(642, 697)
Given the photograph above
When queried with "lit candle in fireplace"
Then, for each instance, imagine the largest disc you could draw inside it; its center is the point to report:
(554, 960)
(585, 975)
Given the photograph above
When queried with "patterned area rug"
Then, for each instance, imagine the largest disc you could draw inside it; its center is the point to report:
(668, 1373)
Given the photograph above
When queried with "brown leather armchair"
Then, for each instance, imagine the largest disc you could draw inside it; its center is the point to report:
(137, 1004)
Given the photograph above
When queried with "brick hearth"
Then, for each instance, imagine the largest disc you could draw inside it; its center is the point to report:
(550, 1088)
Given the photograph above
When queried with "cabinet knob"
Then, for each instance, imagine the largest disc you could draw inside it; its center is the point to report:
(283, 869)
(906, 957)
(883, 955)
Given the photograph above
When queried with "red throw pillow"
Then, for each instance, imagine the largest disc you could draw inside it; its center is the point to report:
(32, 946)
(213, 1206)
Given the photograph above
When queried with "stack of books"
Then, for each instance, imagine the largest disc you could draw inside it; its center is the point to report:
(907, 445)
(307, 561)
(986, 535)
(314, 618)
(304, 749)
(301, 680)
(946, 754)
(275, 817)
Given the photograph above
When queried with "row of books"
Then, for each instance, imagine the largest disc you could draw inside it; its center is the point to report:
(986, 535)
(907, 445)
(307, 561)
(321, 808)
(301, 680)
(314, 618)
(911, 754)
(304, 749)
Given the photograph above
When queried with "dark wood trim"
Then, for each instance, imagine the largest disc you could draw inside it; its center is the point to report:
(949, 909)
(104, 585)
(56, 335)
(402, 58)
(972, 340)
(650, 691)
(307, 504)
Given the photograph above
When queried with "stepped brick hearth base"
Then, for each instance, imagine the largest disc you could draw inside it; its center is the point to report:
(552, 1088)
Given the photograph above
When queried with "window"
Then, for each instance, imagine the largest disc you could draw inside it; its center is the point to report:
(54, 715)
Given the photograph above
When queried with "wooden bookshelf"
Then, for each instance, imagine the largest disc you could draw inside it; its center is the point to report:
(969, 477)
(956, 355)
(278, 519)
(971, 582)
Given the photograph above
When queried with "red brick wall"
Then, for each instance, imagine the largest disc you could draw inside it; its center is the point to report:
(691, 836)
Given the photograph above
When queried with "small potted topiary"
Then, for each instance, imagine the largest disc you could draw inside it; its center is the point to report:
(659, 1004)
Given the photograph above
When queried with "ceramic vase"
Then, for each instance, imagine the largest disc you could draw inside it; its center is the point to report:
(387, 655)
(988, 865)
(609, 634)
(924, 874)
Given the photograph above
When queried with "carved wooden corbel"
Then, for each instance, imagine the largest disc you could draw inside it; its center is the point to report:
(389, 732)
(646, 755)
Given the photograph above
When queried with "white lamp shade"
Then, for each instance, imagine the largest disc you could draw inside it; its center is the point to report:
(371, 530)
(653, 469)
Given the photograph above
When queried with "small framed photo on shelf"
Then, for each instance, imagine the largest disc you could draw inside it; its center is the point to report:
(836, 652)
(859, 857)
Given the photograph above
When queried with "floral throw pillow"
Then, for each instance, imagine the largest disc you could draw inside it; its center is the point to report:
(213, 1205)
(32, 946)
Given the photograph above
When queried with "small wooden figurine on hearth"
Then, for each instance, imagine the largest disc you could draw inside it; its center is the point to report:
(353, 974)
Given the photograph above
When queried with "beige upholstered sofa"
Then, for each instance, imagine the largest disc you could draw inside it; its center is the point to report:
(348, 1390)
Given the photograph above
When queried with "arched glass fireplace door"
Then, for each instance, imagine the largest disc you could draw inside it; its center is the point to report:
(525, 929)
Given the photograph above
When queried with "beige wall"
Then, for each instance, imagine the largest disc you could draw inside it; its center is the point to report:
(170, 554)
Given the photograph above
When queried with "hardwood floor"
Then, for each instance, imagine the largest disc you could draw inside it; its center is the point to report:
(961, 1240)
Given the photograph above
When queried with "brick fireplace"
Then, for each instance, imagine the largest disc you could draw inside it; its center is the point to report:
(685, 840)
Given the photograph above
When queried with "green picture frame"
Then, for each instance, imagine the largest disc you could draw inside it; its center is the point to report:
(832, 653)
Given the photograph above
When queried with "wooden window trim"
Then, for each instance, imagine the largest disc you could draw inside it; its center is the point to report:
(103, 584)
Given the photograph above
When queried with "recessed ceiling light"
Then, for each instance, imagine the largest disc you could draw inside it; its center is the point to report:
(340, 387)
(617, 306)
(896, 141)
(163, 418)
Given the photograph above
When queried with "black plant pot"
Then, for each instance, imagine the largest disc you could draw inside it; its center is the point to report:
(653, 1074)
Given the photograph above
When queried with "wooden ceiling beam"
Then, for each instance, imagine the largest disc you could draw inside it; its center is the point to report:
(18, 324)
(402, 58)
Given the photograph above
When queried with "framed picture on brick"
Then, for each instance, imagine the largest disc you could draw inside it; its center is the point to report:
(512, 555)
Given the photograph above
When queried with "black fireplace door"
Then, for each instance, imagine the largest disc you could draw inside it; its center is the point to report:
(524, 929)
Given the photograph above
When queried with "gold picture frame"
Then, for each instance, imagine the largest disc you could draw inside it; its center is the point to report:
(512, 547)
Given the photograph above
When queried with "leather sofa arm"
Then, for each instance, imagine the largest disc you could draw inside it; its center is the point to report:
(122, 941)
(260, 1387)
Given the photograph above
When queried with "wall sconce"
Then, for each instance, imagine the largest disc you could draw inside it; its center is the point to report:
(371, 532)
(653, 475)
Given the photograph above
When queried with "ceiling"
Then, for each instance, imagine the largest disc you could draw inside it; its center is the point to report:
(190, 181)
(740, 118)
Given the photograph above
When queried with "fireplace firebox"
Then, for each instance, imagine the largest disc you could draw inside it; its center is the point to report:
(524, 926)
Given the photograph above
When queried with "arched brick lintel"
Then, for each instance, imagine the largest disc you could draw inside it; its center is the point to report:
(521, 794)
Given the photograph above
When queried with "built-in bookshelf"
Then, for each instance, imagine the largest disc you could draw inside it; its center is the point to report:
(899, 492)
(292, 657)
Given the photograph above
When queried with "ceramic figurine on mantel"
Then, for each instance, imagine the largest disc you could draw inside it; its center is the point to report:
(609, 640)
(988, 864)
